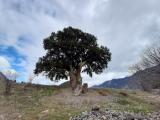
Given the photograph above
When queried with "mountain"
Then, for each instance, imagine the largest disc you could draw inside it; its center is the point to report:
(118, 83)
(2, 76)
(65, 84)
(2, 80)
(149, 77)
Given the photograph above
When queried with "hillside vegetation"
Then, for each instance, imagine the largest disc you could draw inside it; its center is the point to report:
(53, 103)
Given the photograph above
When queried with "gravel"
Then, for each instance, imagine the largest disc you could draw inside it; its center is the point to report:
(96, 114)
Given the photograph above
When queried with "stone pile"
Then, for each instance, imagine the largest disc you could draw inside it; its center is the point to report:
(97, 114)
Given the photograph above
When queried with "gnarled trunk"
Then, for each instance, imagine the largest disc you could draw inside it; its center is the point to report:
(78, 76)
(73, 80)
(76, 81)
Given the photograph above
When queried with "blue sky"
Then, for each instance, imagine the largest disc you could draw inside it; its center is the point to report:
(125, 26)
(15, 59)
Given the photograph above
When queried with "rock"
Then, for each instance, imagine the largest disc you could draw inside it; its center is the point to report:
(2, 117)
(45, 111)
(19, 116)
(78, 90)
(43, 114)
(129, 117)
(107, 109)
(84, 88)
(96, 108)
(96, 114)
(81, 89)
(84, 113)
(103, 117)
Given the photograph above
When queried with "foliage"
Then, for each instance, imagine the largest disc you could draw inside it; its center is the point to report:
(70, 49)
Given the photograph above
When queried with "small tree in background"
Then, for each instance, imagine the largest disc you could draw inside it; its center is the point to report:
(11, 78)
(30, 80)
(70, 52)
(149, 58)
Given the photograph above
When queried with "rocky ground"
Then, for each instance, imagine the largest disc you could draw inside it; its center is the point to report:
(51, 103)
(97, 114)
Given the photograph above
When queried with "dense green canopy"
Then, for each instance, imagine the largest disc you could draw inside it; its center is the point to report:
(67, 49)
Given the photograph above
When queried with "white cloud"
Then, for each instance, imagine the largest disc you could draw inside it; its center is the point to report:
(126, 27)
(11, 74)
(4, 63)
(98, 79)
(6, 69)
(43, 80)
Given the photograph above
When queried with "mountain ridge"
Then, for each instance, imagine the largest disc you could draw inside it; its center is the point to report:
(148, 76)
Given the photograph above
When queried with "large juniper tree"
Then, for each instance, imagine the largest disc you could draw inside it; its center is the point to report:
(70, 52)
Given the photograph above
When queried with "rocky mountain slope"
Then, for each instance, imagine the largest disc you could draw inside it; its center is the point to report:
(149, 76)
(118, 83)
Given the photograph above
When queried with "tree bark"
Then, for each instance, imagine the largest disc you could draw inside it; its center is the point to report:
(78, 76)
(76, 79)
(73, 80)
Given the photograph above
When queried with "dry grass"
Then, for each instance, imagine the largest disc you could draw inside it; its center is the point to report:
(103, 92)
(60, 104)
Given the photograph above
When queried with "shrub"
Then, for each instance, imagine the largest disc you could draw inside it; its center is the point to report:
(123, 94)
(103, 92)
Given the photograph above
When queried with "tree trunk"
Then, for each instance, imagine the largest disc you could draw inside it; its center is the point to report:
(78, 76)
(73, 80)
(76, 81)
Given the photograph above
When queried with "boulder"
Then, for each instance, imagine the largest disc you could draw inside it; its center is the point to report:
(84, 88)
(95, 108)
(78, 90)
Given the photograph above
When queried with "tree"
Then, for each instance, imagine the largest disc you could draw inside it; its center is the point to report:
(11, 76)
(70, 52)
(149, 58)
(30, 80)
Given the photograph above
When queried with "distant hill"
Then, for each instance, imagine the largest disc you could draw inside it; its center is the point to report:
(2, 80)
(119, 83)
(150, 76)
(65, 84)
(2, 76)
